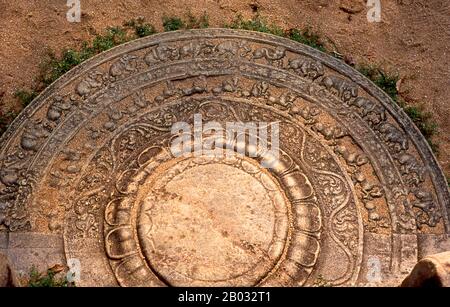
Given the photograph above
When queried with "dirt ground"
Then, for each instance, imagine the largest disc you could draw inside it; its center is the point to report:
(412, 39)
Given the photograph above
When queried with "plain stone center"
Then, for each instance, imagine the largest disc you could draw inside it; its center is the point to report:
(213, 222)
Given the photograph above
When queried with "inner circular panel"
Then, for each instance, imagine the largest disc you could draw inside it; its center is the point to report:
(207, 224)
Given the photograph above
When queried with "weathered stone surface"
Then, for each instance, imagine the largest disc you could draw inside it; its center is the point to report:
(430, 244)
(26, 250)
(8, 277)
(431, 271)
(355, 199)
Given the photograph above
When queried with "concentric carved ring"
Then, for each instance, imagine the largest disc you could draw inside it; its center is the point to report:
(355, 199)
(211, 233)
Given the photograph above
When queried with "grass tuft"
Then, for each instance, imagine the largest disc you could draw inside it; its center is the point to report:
(140, 27)
(54, 67)
(257, 23)
(193, 22)
(172, 23)
(388, 83)
(47, 280)
(114, 36)
(25, 97)
(5, 119)
(307, 37)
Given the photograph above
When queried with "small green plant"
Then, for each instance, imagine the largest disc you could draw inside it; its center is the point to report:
(25, 97)
(173, 23)
(53, 66)
(307, 37)
(257, 23)
(387, 82)
(47, 279)
(140, 27)
(5, 119)
(193, 22)
(422, 119)
(114, 36)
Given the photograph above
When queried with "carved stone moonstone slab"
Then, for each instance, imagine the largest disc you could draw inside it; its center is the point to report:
(87, 176)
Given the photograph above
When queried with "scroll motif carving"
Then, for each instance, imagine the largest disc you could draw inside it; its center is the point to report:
(97, 145)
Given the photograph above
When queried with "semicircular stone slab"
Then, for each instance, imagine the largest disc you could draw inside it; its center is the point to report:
(88, 176)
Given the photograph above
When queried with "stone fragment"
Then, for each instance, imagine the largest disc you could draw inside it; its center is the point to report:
(8, 277)
(431, 271)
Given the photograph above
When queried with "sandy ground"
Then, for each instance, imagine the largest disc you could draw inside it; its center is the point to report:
(413, 38)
